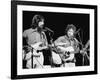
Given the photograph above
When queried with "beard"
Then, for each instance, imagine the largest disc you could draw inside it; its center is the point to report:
(40, 28)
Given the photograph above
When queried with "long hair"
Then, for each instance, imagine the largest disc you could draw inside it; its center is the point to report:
(70, 26)
(35, 20)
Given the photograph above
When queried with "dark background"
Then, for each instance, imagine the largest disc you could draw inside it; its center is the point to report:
(58, 22)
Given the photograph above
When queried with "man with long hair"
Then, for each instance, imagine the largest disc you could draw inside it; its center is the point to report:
(37, 41)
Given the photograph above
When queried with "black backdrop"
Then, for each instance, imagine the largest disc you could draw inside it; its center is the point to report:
(58, 21)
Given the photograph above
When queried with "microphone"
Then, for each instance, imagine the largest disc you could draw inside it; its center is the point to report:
(77, 31)
(48, 29)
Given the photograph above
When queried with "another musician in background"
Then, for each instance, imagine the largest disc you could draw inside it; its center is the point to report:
(69, 46)
(86, 54)
(33, 36)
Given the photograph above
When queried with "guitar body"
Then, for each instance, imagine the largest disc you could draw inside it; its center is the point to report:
(56, 58)
(38, 58)
(38, 61)
(66, 52)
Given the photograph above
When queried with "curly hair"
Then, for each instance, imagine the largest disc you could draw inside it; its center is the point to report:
(70, 26)
(36, 19)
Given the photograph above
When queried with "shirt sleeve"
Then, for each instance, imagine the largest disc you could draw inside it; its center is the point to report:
(30, 36)
(33, 38)
(25, 33)
(60, 39)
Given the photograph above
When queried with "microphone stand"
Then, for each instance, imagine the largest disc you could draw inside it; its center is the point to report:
(51, 41)
(50, 33)
(82, 46)
(80, 42)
